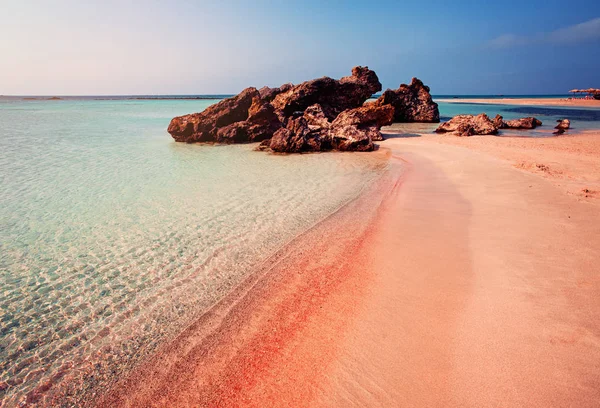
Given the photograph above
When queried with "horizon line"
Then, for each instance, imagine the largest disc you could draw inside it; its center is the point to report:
(233, 94)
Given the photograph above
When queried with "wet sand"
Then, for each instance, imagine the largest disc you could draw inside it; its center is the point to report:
(578, 102)
(457, 280)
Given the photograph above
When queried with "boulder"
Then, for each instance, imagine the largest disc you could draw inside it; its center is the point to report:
(334, 96)
(366, 120)
(498, 121)
(353, 129)
(204, 126)
(268, 94)
(318, 115)
(292, 138)
(468, 125)
(412, 103)
(563, 124)
(308, 132)
(261, 123)
(522, 123)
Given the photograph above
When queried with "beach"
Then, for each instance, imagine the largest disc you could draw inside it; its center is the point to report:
(565, 102)
(434, 271)
(460, 278)
(294, 204)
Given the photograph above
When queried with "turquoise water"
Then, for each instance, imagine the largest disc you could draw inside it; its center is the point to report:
(113, 238)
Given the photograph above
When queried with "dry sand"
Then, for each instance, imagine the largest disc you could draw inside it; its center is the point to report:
(457, 280)
(537, 101)
(570, 161)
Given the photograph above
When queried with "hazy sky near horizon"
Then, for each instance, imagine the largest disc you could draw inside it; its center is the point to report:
(65, 47)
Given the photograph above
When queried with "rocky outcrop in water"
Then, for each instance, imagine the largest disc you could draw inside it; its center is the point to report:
(317, 115)
(469, 125)
(562, 127)
(204, 126)
(261, 123)
(498, 121)
(334, 96)
(563, 124)
(522, 123)
(353, 129)
(412, 103)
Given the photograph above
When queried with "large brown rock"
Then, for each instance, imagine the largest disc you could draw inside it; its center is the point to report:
(522, 123)
(353, 125)
(412, 103)
(268, 94)
(563, 124)
(292, 138)
(261, 123)
(334, 96)
(468, 125)
(562, 127)
(317, 115)
(353, 129)
(204, 126)
(308, 132)
(498, 121)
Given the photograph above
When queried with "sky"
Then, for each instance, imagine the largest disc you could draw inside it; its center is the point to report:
(64, 47)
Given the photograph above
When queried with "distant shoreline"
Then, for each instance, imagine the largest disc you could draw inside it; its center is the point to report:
(115, 98)
(526, 101)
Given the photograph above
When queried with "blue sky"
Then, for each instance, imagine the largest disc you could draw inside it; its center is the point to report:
(189, 47)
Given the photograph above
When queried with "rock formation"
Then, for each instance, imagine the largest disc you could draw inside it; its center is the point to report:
(260, 124)
(317, 115)
(253, 116)
(353, 129)
(522, 123)
(563, 125)
(268, 94)
(334, 96)
(204, 126)
(498, 121)
(468, 125)
(413, 103)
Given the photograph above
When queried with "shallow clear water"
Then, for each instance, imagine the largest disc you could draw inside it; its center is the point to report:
(113, 237)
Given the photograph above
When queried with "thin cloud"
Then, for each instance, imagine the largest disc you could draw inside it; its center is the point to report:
(589, 30)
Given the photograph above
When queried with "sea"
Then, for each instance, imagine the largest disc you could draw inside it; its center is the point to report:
(114, 238)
